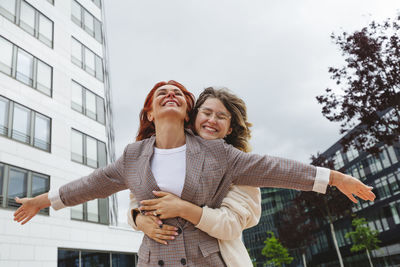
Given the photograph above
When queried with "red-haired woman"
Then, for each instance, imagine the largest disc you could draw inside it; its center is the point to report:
(206, 170)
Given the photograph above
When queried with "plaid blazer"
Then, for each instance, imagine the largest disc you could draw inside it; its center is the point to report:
(211, 167)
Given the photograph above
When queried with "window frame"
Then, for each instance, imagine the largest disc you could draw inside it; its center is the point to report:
(32, 117)
(35, 30)
(81, 22)
(84, 149)
(83, 65)
(83, 107)
(4, 200)
(36, 60)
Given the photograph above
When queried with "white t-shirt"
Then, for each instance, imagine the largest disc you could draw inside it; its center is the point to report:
(169, 169)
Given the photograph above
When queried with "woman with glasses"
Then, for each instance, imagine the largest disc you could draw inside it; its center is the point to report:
(200, 171)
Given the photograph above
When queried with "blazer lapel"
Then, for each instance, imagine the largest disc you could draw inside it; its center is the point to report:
(194, 165)
(147, 176)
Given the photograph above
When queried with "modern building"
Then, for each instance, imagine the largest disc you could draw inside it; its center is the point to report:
(56, 126)
(383, 215)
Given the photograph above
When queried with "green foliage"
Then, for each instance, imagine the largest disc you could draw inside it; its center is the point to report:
(275, 252)
(363, 237)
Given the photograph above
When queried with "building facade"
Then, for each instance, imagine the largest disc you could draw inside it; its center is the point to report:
(56, 126)
(381, 172)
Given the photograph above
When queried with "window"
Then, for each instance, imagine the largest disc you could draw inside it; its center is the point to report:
(76, 53)
(42, 132)
(4, 116)
(90, 104)
(25, 67)
(81, 17)
(86, 59)
(77, 147)
(74, 257)
(99, 68)
(6, 55)
(84, 149)
(29, 19)
(374, 164)
(18, 182)
(89, 23)
(21, 124)
(392, 154)
(87, 103)
(90, 64)
(45, 30)
(338, 160)
(76, 15)
(351, 153)
(92, 211)
(27, 126)
(97, 3)
(44, 77)
(7, 9)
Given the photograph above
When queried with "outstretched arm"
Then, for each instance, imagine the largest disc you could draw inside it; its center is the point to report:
(267, 171)
(99, 184)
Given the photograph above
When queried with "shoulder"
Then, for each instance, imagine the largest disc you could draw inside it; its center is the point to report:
(139, 148)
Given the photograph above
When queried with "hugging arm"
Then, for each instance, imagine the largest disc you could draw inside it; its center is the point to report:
(240, 209)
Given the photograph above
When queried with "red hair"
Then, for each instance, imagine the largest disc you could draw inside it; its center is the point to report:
(147, 128)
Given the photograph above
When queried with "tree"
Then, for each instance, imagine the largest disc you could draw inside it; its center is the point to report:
(370, 85)
(363, 238)
(275, 252)
(296, 228)
(329, 207)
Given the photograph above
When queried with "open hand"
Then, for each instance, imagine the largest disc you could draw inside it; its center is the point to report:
(155, 229)
(351, 187)
(26, 211)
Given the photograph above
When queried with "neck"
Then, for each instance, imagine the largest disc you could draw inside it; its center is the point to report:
(170, 134)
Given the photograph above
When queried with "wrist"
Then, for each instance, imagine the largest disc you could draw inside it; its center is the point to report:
(335, 178)
(42, 201)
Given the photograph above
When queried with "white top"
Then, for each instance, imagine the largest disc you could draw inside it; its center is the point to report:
(169, 169)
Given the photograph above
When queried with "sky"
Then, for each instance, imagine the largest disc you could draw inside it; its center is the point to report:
(274, 55)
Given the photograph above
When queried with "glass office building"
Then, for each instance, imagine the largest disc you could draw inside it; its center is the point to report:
(383, 173)
(56, 126)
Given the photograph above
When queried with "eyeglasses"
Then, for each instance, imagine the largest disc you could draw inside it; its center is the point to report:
(209, 113)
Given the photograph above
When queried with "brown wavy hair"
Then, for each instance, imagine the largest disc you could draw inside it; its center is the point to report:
(147, 128)
(241, 134)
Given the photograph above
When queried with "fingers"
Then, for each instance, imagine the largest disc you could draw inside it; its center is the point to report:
(351, 197)
(159, 240)
(27, 220)
(20, 217)
(147, 208)
(148, 202)
(18, 211)
(161, 193)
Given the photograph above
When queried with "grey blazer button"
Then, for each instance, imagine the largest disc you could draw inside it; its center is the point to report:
(161, 262)
(183, 261)
(179, 231)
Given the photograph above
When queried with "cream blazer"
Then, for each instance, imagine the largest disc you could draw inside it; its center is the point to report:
(240, 209)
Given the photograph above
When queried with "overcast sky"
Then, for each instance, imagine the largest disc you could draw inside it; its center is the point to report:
(273, 54)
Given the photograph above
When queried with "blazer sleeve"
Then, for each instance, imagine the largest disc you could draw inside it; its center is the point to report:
(99, 184)
(267, 171)
(133, 207)
(240, 209)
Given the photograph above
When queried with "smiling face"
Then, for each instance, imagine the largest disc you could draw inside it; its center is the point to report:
(213, 120)
(168, 100)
